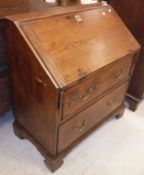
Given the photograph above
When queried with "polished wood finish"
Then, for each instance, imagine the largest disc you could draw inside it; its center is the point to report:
(132, 13)
(62, 54)
(74, 38)
(93, 87)
(89, 117)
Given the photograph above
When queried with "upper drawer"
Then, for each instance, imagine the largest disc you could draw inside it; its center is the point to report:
(87, 90)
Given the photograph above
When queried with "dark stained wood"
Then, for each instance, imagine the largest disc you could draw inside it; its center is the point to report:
(3, 59)
(5, 104)
(127, 10)
(132, 13)
(4, 83)
(132, 102)
(54, 55)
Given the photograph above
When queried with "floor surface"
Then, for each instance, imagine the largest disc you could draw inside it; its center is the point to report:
(116, 148)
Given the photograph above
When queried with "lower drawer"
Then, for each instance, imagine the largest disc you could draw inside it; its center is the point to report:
(81, 123)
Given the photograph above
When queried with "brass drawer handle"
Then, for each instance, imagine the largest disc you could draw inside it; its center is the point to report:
(109, 104)
(82, 127)
(85, 97)
(118, 75)
(112, 102)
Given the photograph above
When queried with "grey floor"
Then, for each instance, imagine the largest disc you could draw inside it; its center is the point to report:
(116, 148)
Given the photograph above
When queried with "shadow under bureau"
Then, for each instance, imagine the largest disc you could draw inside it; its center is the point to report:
(70, 72)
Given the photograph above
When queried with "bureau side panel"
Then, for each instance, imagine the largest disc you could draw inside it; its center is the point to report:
(34, 95)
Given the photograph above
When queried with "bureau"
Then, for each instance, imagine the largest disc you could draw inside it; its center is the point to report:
(70, 70)
(11, 7)
(132, 13)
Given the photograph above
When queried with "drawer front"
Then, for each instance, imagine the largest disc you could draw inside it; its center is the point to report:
(81, 123)
(87, 90)
(5, 101)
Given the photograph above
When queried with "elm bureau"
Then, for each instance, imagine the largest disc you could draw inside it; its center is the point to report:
(70, 70)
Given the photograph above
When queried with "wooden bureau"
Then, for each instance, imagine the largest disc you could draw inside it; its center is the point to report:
(132, 13)
(70, 72)
(11, 7)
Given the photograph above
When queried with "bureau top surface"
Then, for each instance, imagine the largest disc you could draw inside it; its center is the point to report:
(75, 44)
